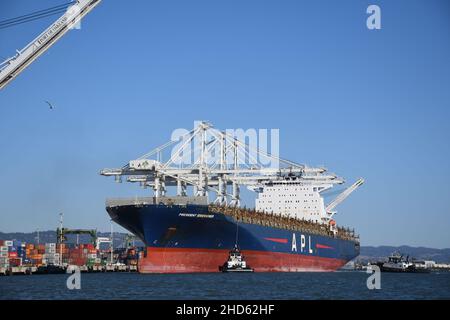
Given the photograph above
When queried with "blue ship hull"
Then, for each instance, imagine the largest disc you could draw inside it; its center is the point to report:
(190, 238)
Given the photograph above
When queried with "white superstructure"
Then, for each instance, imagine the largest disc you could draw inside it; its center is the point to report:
(293, 199)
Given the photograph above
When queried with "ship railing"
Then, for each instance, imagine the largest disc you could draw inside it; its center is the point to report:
(266, 219)
(137, 201)
(117, 202)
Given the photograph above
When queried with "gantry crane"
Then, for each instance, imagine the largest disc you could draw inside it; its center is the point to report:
(101, 240)
(12, 67)
(342, 196)
(62, 232)
(208, 173)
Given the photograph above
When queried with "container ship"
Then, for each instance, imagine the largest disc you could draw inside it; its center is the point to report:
(290, 228)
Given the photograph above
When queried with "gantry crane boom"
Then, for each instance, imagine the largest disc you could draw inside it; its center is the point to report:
(208, 172)
(341, 197)
(13, 66)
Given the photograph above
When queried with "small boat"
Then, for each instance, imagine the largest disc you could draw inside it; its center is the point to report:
(396, 263)
(235, 262)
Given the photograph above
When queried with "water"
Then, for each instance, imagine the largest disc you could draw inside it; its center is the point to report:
(337, 285)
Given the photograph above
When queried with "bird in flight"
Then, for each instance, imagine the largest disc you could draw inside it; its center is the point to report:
(50, 105)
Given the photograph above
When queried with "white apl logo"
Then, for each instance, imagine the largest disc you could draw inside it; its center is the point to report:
(302, 243)
(74, 280)
(374, 280)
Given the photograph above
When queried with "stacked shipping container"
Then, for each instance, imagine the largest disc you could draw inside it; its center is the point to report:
(29, 254)
(4, 259)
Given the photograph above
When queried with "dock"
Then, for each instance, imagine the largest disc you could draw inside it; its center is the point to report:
(32, 270)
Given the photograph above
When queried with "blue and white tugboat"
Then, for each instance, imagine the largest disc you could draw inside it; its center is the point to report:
(235, 262)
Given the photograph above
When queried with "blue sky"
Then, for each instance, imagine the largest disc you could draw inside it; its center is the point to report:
(364, 103)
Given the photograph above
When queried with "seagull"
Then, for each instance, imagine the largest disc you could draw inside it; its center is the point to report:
(50, 105)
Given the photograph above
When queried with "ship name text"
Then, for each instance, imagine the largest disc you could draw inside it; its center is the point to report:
(196, 215)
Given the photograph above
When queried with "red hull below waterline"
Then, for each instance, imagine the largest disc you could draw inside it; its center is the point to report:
(180, 260)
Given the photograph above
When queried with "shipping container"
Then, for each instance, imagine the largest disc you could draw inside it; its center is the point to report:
(36, 262)
(78, 261)
(50, 250)
(62, 246)
(15, 262)
(17, 243)
(8, 243)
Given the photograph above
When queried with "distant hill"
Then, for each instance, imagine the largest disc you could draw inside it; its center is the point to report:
(420, 253)
(368, 253)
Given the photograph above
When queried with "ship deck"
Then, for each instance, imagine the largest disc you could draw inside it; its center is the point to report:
(276, 221)
(242, 215)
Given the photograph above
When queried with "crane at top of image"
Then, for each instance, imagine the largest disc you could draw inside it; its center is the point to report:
(13, 66)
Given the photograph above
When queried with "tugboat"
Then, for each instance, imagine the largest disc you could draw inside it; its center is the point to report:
(396, 263)
(235, 262)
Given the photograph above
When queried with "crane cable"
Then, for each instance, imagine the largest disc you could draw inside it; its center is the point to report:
(34, 15)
